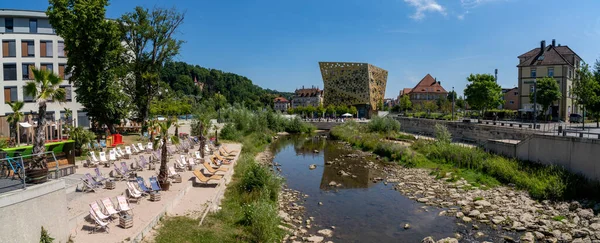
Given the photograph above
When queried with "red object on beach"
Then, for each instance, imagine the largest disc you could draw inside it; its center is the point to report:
(117, 139)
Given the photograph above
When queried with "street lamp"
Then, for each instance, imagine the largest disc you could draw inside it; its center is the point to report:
(453, 94)
(534, 103)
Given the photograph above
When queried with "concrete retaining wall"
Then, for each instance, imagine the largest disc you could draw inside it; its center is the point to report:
(502, 148)
(579, 155)
(24, 212)
(464, 131)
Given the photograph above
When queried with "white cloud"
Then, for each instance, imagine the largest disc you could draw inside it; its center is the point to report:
(423, 6)
(467, 4)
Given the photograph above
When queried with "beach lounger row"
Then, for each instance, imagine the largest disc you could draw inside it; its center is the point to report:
(102, 216)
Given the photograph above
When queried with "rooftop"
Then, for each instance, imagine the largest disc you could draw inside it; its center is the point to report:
(23, 13)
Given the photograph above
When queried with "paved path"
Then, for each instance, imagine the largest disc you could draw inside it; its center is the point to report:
(183, 198)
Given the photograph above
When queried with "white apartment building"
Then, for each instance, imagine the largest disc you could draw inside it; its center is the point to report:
(29, 41)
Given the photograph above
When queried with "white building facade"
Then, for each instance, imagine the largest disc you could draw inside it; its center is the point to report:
(29, 41)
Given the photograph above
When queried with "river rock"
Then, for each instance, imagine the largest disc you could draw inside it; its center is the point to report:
(539, 235)
(498, 219)
(316, 151)
(448, 240)
(482, 203)
(320, 204)
(586, 213)
(508, 238)
(479, 234)
(332, 183)
(312, 166)
(474, 213)
(566, 237)
(315, 239)
(460, 214)
(428, 239)
(407, 226)
(466, 219)
(526, 218)
(528, 237)
(595, 226)
(325, 232)
(423, 200)
(343, 173)
(442, 213)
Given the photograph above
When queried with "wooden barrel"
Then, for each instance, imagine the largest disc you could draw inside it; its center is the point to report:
(36, 176)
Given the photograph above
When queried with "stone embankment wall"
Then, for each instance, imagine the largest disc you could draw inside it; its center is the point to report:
(475, 132)
(24, 212)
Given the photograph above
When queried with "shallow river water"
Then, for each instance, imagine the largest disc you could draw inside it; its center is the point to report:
(360, 209)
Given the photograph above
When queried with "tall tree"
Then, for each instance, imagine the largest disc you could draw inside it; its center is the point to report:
(547, 91)
(430, 106)
(586, 88)
(460, 103)
(44, 88)
(14, 118)
(353, 111)
(483, 92)
(451, 94)
(150, 42)
(405, 103)
(94, 49)
(331, 109)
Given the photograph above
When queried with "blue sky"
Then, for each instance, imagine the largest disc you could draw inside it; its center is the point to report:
(278, 43)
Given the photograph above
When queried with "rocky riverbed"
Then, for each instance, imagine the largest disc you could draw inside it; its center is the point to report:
(503, 208)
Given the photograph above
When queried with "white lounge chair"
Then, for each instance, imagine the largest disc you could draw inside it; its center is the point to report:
(98, 212)
(150, 147)
(128, 151)
(102, 156)
(112, 155)
(99, 222)
(109, 207)
(197, 154)
(133, 193)
(124, 206)
(140, 147)
(118, 152)
(134, 149)
(172, 172)
(92, 159)
(191, 163)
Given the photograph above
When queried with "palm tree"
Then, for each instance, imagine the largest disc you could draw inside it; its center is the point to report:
(68, 114)
(163, 176)
(44, 87)
(14, 118)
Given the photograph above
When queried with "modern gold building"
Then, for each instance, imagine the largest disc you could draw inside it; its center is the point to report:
(353, 84)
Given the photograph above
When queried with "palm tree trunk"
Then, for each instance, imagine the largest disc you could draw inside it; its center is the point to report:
(39, 160)
(162, 174)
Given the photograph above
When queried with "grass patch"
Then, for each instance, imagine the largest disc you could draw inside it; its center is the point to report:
(477, 199)
(558, 218)
(479, 168)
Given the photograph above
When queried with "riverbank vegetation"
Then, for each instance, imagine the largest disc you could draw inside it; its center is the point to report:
(249, 210)
(480, 168)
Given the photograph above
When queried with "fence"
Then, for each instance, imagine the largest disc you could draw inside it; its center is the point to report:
(15, 166)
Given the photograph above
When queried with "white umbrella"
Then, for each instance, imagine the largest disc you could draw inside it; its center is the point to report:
(347, 114)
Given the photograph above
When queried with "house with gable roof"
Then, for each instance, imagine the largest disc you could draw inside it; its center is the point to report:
(428, 89)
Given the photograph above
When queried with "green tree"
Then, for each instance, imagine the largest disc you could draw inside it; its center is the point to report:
(451, 94)
(483, 92)
(310, 110)
(405, 103)
(44, 88)
(586, 88)
(547, 91)
(14, 118)
(150, 42)
(460, 103)
(444, 105)
(220, 102)
(380, 105)
(341, 109)
(163, 175)
(430, 106)
(331, 110)
(95, 57)
(321, 110)
(353, 111)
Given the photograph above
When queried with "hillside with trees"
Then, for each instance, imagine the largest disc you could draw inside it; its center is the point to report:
(180, 77)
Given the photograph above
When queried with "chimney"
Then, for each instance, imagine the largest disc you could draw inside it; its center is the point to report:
(553, 42)
(543, 45)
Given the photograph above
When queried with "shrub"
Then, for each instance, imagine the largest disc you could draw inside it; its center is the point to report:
(296, 125)
(383, 124)
(45, 237)
(442, 134)
(229, 132)
(259, 182)
(263, 221)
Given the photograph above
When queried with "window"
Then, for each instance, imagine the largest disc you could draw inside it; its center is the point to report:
(531, 88)
(61, 71)
(10, 71)
(82, 119)
(46, 48)
(27, 74)
(512, 102)
(570, 73)
(27, 48)
(47, 66)
(8, 25)
(9, 48)
(33, 26)
(516, 93)
(26, 97)
(10, 94)
(67, 91)
(61, 49)
(533, 73)
(550, 72)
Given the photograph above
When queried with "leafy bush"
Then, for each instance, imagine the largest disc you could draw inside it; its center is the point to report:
(229, 132)
(81, 136)
(45, 237)
(442, 134)
(383, 124)
(259, 182)
(263, 221)
(298, 126)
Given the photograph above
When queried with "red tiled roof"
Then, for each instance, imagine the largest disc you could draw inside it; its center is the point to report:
(405, 91)
(281, 100)
(552, 55)
(428, 85)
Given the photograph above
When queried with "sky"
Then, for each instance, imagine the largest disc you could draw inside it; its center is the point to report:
(278, 43)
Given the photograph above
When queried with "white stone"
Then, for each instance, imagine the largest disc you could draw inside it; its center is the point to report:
(315, 239)
(325, 232)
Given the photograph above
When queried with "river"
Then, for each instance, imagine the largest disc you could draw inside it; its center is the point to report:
(360, 209)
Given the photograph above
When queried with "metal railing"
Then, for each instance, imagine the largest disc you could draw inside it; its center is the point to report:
(16, 165)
